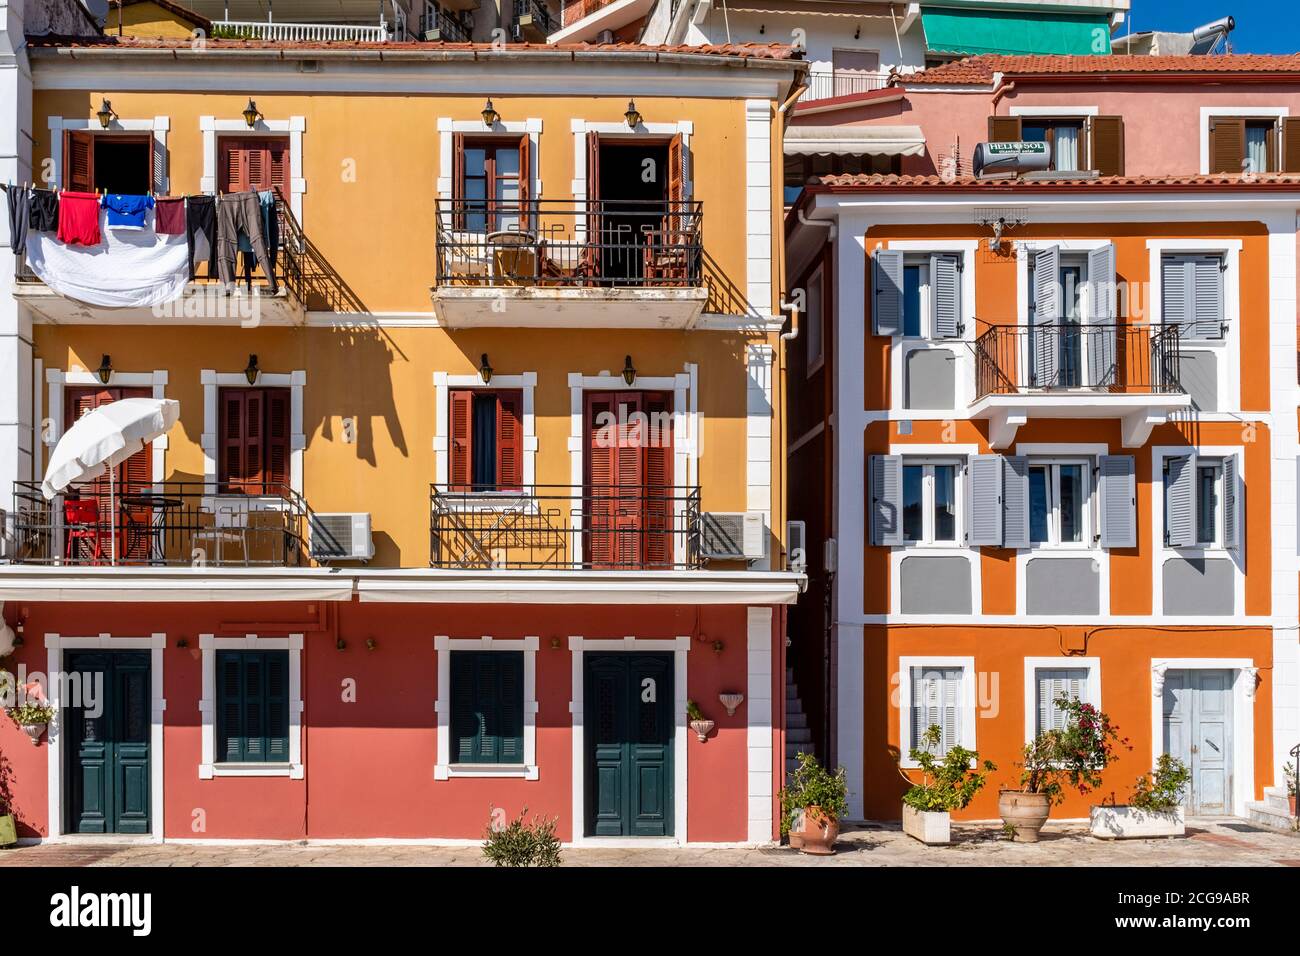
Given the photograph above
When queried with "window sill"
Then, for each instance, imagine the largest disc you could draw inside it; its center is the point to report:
(208, 771)
(453, 771)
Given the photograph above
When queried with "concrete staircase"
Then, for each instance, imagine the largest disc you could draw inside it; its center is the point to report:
(1273, 811)
(798, 735)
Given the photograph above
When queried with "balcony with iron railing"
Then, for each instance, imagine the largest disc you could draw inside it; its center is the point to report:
(832, 84)
(554, 527)
(547, 256)
(533, 21)
(167, 524)
(1077, 370)
(440, 24)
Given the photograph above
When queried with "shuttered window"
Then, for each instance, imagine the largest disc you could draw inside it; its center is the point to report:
(252, 723)
(1203, 502)
(1050, 684)
(1191, 295)
(253, 164)
(487, 439)
(490, 181)
(253, 447)
(1245, 144)
(936, 701)
(487, 707)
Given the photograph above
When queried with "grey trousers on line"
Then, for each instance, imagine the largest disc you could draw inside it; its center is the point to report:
(240, 211)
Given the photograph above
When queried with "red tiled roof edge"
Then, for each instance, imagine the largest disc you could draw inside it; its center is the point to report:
(981, 69)
(859, 182)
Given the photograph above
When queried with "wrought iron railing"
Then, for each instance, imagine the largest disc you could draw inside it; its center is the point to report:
(828, 84)
(298, 32)
(171, 523)
(605, 242)
(447, 26)
(1010, 359)
(539, 16)
(562, 526)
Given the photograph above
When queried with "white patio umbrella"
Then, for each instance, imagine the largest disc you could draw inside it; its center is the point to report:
(101, 440)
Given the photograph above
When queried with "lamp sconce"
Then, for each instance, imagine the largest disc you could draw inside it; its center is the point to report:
(490, 116)
(251, 371)
(718, 646)
(251, 114)
(629, 370)
(371, 643)
(105, 371)
(105, 114)
(485, 370)
(340, 644)
(633, 115)
(731, 702)
(555, 643)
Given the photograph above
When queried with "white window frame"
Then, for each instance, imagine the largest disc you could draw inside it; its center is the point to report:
(928, 463)
(1066, 114)
(1215, 541)
(57, 380)
(1208, 113)
(444, 769)
(213, 381)
(158, 126)
(209, 766)
(1087, 512)
(968, 713)
(293, 127)
(443, 384)
(925, 321)
(1091, 692)
(816, 321)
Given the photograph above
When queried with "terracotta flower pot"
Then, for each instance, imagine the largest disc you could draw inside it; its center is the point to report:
(1024, 812)
(820, 831)
(1290, 799)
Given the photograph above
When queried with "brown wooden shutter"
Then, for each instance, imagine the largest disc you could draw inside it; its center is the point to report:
(1290, 150)
(510, 440)
(458, 180)
(277, 152)
(230, 452)
(1004, 129)
(1108, 145)
(602, 479)
(1227, 144)
(79, 161)
(253, 165)
(232, 174)
(461, 474)
(254, 440)
(525, 167)
(276, 454)
(592, 263)
(629, 505)
(658, 550)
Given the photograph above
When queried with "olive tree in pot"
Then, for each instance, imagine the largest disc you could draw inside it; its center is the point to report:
(946, 785)
(812, 803)
(1155, 809)
(1055, 759)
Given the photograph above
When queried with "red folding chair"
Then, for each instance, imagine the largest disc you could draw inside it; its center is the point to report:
(81, 516)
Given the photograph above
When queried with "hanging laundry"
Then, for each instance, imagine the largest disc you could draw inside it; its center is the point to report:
(169, 216)
(126, 212)
(270, 235)
(19, 200)
(128, 268)
(240, 212)
(43, 206)
(79, 219)
(201, 232)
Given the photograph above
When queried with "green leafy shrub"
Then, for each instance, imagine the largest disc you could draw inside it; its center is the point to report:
(1288, 771)
(521, 842)
(948, 784)
(812, 785)
(31, 712)
(1075, 756)
(1161, 790)
(693, 711)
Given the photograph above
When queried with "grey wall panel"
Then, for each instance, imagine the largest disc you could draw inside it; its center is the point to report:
(935, 585)
(1062, 586)
(931, 377)
(1198, 586)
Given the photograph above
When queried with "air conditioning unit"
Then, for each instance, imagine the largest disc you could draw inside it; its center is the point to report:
(342, 536)
(796, 546)
(733, 535)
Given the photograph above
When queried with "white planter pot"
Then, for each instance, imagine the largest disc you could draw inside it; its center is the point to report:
(34, 731)
(934, 828)
(1128, 823)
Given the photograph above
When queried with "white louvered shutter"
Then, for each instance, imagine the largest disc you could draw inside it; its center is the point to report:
(887, 292)
(1232, 501)
(1015, 501)
(984, 496)
(945, 296)
(1101, 317)
(1180, 501)
(1047, 317)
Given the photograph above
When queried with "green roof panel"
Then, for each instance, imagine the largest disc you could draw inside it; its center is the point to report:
(971, 32)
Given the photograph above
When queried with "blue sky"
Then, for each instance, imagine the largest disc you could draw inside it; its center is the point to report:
(1263, 26)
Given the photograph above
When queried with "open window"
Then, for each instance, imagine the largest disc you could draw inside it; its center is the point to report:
(486, 439)
(1072, 319)
(111, 162)
(917, 295)
(1077, 143)
(1254, 144)
(490, 182)
(1203, 496)
(930, 501)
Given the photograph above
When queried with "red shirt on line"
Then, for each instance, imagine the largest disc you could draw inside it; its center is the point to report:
(79, 218)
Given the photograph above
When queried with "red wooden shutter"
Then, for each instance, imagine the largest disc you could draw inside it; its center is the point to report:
(602, 478)
(462, 435)
(592, 256)
(658, 552)
(277, 440)
(79, 161)
(510, 440)
(233, 169)
(277, 167)
(525, 182)
(230, 452)
(254, 440)
(253, 165)
(676, 170)
(629, 505)
(457, 180)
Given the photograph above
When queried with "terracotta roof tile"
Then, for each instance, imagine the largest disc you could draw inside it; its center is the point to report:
(863, 182)
(980, 69)
(764, 51)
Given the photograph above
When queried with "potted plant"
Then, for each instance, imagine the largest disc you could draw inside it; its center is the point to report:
(1155, 810)
(698, 723)
(1074, 756)
(946, 785)
(519, 842)
(33, 717)
(822, 798)
(1288, 772)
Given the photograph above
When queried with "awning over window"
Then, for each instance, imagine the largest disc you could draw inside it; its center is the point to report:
(971, 32)
(854, 141)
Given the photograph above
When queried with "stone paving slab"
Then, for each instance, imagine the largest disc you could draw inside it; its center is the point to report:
(1209, 842)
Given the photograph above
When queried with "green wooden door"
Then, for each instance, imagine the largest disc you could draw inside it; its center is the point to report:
(629, 734)
(107, 730)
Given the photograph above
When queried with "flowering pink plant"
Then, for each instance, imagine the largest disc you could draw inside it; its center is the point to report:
(1074, 756)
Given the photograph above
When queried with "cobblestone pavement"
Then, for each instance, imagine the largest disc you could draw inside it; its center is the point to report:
(1208, 842)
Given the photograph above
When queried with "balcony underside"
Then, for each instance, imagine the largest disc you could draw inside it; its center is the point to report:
(200, 304)
(465, 307)
(1138, 412)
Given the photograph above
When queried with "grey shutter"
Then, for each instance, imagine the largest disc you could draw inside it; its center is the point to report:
(1015, 502)
(1052, 683)
(887, 292)
(1207, 308)
(1118, 493)
(1232, 511)
(945, 296)
(984, 497)
(1045, 336)
(1180, 502)
(1101, 315)
(1176, 293)
(886, 500)
(936, 699)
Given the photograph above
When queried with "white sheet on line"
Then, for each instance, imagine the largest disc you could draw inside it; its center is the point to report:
(130, 268)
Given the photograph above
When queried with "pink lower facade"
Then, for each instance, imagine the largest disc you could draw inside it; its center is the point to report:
(364, 741)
